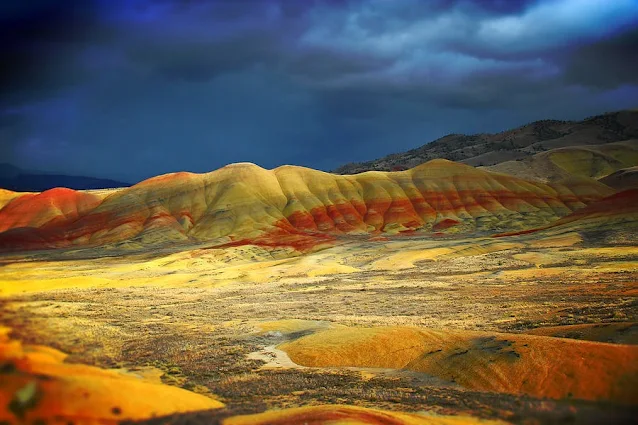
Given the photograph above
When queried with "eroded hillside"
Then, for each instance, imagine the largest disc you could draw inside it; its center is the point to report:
(289, 206)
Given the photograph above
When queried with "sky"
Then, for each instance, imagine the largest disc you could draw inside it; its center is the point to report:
(129, 89)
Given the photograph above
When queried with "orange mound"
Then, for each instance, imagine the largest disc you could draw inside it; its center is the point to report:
(518, 364)
(289, 206)
(348, 415)
(36, 384)
(39, 209)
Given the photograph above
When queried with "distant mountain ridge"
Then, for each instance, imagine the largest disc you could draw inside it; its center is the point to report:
(18, 180)
(516, 144)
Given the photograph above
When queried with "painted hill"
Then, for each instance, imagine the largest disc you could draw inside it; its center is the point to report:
(595, 161)
(626, 178)
(18, 180)
(49, 207)
(618, 208)
(289, 206)
(511, 145)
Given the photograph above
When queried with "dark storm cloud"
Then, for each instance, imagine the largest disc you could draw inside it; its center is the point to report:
(321, 64)
(201, 61)
(42, 35)
(317, 83)
(607, 63)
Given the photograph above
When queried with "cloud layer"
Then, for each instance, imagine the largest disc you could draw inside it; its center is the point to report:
(132, 88)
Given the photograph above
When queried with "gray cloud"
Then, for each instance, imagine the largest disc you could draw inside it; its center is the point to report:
(197, 84)
(607, 63)
(202, 61)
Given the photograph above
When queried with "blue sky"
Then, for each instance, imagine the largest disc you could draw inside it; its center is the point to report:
(128, 89)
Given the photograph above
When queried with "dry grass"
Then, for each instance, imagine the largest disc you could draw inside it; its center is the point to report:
(197, 316)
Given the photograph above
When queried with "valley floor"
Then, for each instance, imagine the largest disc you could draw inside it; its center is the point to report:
(237, 324)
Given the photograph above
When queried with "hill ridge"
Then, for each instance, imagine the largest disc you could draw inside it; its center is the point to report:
(289, 205)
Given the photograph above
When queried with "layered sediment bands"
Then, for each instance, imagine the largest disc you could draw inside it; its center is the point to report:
(604, 214)
(290, 206)
(516, 364)
(622, 206)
